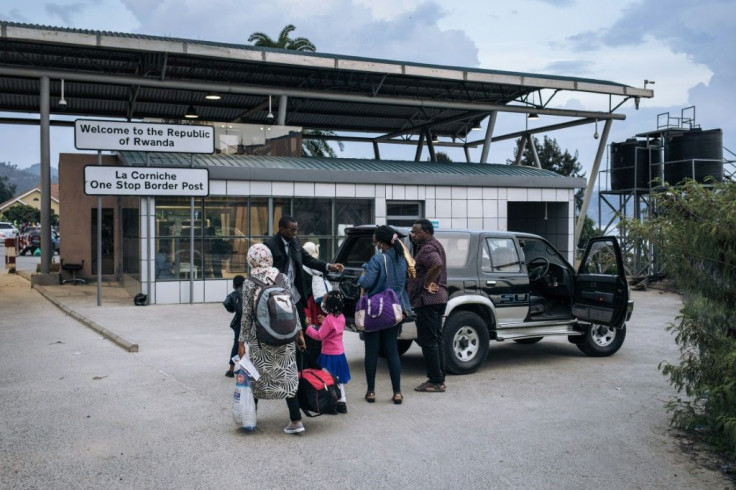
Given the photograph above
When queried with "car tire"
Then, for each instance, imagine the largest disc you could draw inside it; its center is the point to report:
(602, 341)
(530, 340)
(404, 346)
(465, 339)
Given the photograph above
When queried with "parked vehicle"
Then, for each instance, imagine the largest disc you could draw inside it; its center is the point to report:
(8, 230)
(30, 240)
(510, 286)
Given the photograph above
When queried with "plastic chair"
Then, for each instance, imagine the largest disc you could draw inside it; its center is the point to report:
(73, 269)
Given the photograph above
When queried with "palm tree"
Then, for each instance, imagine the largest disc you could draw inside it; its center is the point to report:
(317, 147)
(283, 41)
(310, 147)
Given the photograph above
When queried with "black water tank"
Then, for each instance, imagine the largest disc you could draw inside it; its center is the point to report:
(696, 154)
(631, 162)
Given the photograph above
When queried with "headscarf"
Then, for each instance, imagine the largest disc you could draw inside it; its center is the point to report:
(261, 262)
(312, 249)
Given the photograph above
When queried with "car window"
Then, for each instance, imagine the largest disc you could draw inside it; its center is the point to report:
(6, 226)
(500, 255)
(600, 260)
(534, 248)
(360, 249)
(457, 246)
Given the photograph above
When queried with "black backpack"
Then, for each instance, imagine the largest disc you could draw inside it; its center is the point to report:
(276, 317)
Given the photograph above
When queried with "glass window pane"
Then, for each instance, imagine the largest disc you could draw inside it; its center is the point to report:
(504, 257)
(236, 262)
(281, 208)
(457, 246)
(398, 208)
(173, 217)
(352, 212)
(314, 216)
(164, 261)
(258, 217)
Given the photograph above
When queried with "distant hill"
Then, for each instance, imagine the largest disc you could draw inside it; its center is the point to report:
(36, 169)
(25, 178)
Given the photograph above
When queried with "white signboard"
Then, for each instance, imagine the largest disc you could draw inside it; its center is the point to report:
(92, 134)
(101, 180)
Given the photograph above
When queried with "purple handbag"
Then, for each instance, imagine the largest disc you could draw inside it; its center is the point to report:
(382, 310)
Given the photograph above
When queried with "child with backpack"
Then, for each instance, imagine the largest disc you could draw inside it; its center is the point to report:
(332, 357)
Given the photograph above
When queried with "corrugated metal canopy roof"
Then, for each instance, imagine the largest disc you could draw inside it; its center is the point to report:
(135, 76)
(353, 170)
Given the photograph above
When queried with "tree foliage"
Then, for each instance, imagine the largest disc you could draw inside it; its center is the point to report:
(694, 233)
(310, 147)
(283, 41)
(551, 157)
(7, 190)
(21, 213)
(318, 147)
(441, 157)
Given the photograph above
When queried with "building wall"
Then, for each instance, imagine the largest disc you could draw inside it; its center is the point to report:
(76, 214)
(450, 206)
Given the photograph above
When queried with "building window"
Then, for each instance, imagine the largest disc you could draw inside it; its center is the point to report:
(226, 227)
(403, 213)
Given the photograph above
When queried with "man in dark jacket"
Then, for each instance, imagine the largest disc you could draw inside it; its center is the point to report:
(428, 296)
(234, 304)
(288, 258)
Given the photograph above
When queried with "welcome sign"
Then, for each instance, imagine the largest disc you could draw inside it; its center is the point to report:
(92, 134)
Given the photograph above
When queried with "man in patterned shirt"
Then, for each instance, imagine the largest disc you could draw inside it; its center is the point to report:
(428, 296)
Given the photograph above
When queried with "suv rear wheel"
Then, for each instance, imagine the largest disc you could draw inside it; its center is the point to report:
(465, 337)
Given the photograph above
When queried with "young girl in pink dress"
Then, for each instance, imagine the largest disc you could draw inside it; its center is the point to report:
(329, 333)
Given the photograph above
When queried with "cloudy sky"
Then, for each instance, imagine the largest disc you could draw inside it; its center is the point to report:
(688, 48)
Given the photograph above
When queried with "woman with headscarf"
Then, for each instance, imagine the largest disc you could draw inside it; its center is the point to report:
(276, 364)
(378, 275)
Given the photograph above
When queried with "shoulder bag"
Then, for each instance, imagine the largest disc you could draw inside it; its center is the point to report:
(380, 311)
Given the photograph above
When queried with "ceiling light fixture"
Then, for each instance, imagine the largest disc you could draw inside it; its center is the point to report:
(62, 100)
(270, 112)
(191, 113)
(435, 139)
(533, 116)
(476, 126)
(596, 135)
(213, 96)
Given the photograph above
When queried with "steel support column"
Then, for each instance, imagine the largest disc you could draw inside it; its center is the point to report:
(489, 137)
(591, 181)
(46, 247)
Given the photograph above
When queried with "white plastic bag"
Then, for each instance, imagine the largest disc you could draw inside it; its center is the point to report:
(244, 407)
(320, 286)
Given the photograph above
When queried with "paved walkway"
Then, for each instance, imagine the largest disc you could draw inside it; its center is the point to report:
(78, 410)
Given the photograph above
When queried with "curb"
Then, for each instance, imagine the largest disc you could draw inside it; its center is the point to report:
(117, 339)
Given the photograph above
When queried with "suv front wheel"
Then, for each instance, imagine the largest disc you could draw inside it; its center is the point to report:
(601, 341)
(465, 337)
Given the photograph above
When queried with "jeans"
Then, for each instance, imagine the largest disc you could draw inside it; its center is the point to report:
(429, 337)
(382, 340)
(234, 350)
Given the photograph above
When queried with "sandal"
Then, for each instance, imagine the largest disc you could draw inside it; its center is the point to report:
(428, 387)
(398, 398)
(370, 396)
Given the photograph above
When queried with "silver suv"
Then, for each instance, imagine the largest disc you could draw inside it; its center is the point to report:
(510, 286)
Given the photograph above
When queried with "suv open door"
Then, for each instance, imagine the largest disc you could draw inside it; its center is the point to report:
(601, 291)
